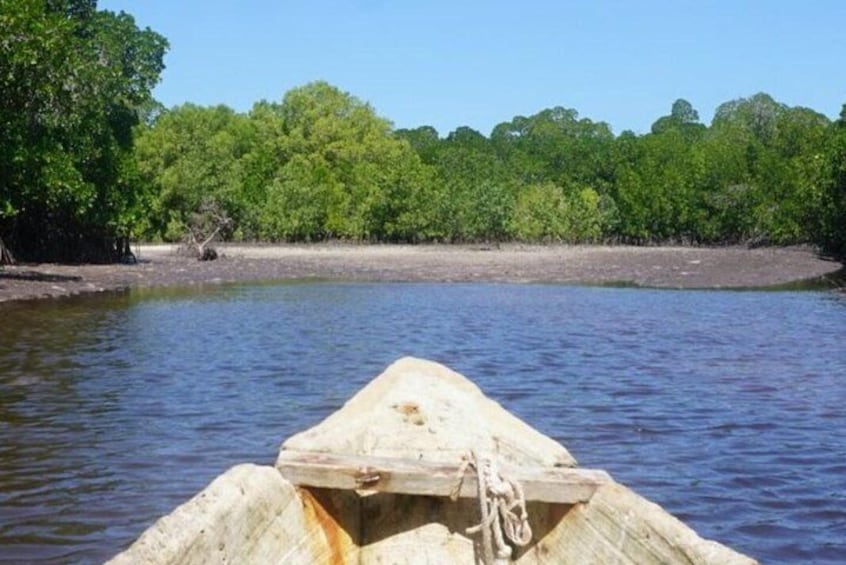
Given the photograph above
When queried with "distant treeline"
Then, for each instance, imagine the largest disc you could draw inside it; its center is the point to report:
(322, 164)
(88, 161)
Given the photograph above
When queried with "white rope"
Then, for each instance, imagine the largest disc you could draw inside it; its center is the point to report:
(502, 509)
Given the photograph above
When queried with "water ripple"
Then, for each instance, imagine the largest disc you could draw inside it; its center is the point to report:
(725, 407)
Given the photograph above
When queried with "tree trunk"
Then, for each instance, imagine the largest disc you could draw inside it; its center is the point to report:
(6, 257)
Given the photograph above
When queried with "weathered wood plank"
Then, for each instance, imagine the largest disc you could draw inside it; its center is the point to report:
(408, 476)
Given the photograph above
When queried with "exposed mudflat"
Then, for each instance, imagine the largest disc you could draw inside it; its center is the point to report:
(661, 267)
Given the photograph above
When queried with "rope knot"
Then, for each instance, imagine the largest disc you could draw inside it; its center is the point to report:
(502, 506)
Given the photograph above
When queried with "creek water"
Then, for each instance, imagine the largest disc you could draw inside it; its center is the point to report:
(727, 408)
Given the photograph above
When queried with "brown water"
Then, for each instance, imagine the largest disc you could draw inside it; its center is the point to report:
(725, 407)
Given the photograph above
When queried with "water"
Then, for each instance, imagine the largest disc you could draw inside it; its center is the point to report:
(724, 407)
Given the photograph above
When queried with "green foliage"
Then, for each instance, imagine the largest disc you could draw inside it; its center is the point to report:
(555, 146)
(299, 201)
(191, 156)
(774, 152)
(541, 213)
(546, 212)
(341, 173)
(587, 218)
(683, 118)
(321, 164)
(831, 228)
(478, 193)
(424, 140)
(72, 83)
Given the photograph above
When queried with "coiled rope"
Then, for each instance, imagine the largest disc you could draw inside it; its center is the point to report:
(502, 507)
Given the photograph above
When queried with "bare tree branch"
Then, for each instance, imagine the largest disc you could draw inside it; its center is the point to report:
(205, 226)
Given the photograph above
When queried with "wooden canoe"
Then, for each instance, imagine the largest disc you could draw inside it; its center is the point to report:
(372, 484)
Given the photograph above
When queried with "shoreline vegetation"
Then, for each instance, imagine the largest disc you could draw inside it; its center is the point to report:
(85, 171)
(161, 266)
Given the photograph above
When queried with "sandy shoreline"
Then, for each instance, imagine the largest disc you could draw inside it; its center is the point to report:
(661, 267)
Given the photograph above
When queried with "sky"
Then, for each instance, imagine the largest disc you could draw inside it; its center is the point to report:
(452, 63)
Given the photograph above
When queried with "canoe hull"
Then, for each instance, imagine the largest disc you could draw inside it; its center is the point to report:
(252, 514)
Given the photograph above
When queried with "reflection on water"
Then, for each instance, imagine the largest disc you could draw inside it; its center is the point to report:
(725, 407)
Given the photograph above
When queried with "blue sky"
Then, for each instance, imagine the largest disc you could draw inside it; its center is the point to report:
(475, 63)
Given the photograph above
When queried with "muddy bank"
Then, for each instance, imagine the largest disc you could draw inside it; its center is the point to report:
(661, 267)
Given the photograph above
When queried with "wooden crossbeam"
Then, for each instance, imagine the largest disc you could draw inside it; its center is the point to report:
(410, 476)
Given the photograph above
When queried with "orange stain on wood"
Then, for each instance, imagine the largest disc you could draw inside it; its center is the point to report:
(335, 538)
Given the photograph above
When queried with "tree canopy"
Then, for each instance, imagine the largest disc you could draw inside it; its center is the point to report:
(74, 82)
(322, 164)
